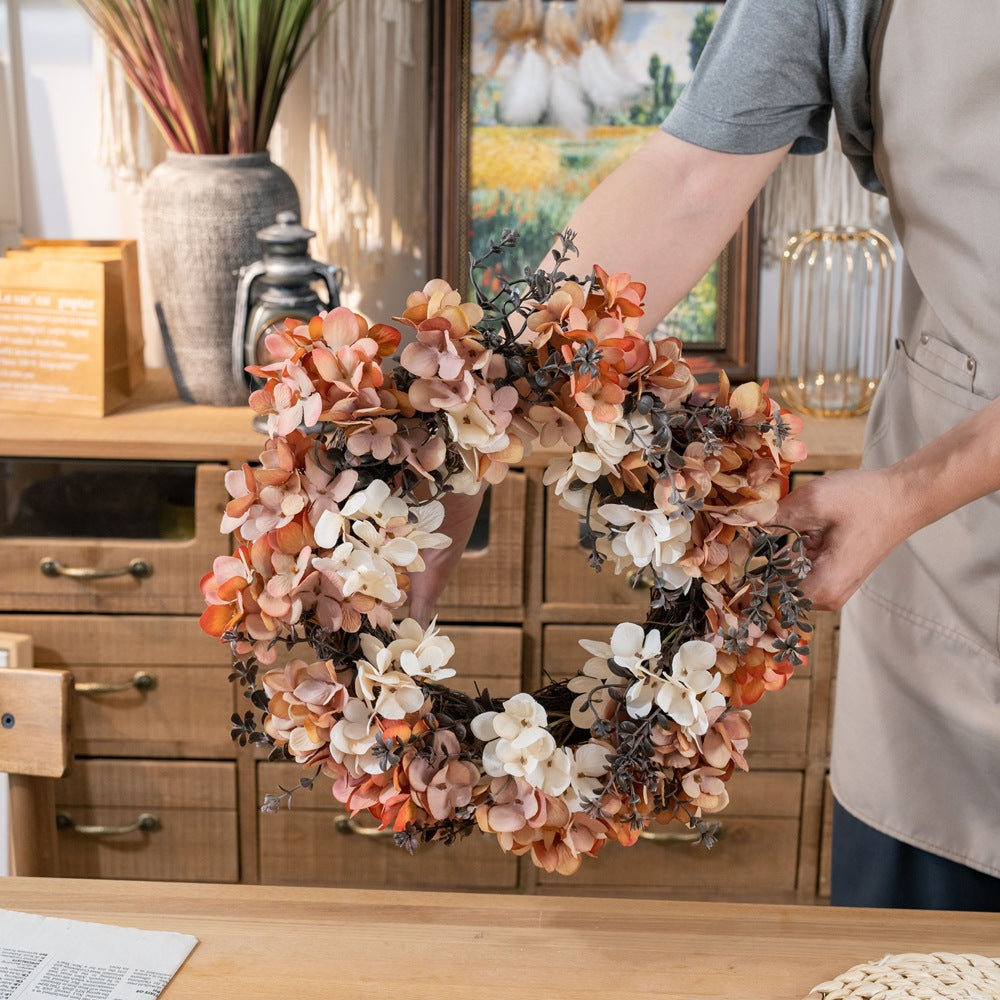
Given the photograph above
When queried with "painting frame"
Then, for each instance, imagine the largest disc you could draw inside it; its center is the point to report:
(734, 347)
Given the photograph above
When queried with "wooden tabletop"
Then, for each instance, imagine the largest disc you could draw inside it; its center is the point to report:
(154, 424)
(258, 941)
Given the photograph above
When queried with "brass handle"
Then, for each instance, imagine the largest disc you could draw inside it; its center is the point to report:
(146, 822)
(137, 568)
(691, 837)
(140, 680)
(347, 824)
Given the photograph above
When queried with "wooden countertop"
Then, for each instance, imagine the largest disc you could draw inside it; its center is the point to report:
(156, 425)
(338, 943)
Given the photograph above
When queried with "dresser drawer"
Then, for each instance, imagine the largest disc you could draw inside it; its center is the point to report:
(192, 805)
(780, 720)
(154, 687)
(487, 657)
(569, 577)
(755, 858)
(316, 843)
(490, 574)
(105, 559)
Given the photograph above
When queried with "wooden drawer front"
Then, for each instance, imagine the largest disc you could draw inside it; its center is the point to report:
(305, 845)
(185, 712)
(486, 657)
(171, 588)
(780, 719)
(194, 803)
(490, 572)
(570, 579)
(755, 858)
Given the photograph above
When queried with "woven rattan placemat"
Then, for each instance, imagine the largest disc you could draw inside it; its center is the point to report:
(938, 976)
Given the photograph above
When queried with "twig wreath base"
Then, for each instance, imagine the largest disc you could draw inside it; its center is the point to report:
(364, 443)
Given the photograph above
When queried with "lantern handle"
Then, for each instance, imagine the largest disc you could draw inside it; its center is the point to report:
(249, 273)
(331, 276)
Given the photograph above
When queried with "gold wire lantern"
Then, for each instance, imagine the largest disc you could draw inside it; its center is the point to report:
(834, 319)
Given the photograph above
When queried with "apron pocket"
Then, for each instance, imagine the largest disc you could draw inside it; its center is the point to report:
(949, 362)
(945, 574)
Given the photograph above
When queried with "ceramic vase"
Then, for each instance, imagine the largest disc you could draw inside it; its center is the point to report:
(200, 217)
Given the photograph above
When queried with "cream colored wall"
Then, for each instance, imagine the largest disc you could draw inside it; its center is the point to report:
(64, 193)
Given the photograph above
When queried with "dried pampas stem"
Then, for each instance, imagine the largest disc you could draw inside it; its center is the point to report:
(516, 22)
(600, 19)
(525, 97)
(567, 105)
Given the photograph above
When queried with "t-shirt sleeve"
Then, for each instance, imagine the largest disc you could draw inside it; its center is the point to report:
(762, 81)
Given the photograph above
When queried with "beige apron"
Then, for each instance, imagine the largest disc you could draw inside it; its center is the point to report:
(917, 726)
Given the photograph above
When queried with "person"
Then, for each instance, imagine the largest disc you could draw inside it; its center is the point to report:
(909, 544)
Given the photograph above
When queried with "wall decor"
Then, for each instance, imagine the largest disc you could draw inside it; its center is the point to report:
(487, 174)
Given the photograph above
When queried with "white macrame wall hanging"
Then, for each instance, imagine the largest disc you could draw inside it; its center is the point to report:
(367, 138)
(807, 192)
(128, 143)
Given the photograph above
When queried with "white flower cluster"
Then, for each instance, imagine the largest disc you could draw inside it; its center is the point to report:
(389, 677)
(518, 743)
(685, 692)
(388, 685)
(371, 536)
(629, 537)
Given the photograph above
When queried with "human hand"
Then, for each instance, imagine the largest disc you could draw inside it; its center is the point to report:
(849, 522)
(460, 512)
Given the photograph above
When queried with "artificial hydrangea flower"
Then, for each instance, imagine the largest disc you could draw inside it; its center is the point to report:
(636, 538)
(420, 653)
(517, 741)
(613, 441)
(686, 693)
(361, 572)
(589, 763)
(470, 426)
(353, 737)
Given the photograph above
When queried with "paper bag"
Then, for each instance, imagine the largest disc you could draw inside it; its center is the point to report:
(127, 253)
(61, 349)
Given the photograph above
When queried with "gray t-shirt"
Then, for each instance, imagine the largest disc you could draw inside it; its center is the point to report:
(771, 73)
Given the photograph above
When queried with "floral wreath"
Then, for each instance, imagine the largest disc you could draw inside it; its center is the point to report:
(346, 499)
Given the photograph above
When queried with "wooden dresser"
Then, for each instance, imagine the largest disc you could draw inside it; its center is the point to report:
(138, 495)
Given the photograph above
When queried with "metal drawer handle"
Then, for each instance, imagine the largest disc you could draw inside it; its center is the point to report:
(676, 838)
(141, 681)
(146, 822)
(347, 824)
(137, 568)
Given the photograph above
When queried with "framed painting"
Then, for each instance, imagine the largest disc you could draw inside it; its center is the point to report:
(488, 174)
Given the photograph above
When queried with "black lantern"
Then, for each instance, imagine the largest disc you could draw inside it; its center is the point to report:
(278, 287)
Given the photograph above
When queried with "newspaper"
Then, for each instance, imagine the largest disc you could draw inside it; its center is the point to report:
(47, 958)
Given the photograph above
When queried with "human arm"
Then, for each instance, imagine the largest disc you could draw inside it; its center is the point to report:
(852, 520)
(666, 213)
(664, 216)
(460, 512)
